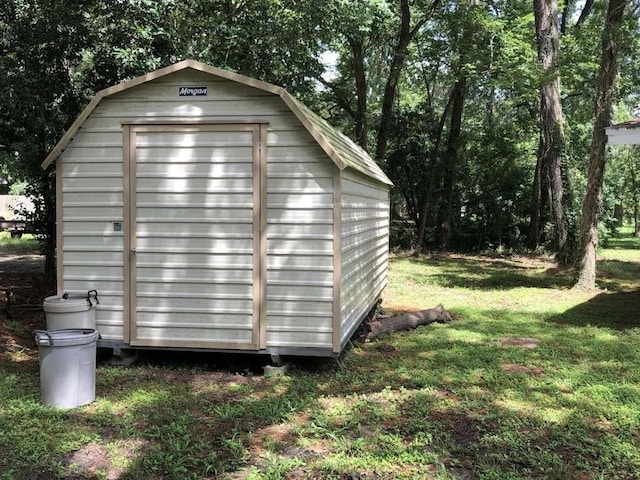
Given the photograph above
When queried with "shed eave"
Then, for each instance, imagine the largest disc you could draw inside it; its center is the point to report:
(315, 133)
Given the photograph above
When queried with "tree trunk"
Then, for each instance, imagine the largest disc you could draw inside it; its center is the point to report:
(634, 196)
(49, 245)
(618, 212)
(533, 239)
(566, 11)
(551, 121)
(423, 214)
(408, 321)
(424, 211)
(405, 37)
(446, 208)
(597, 160)
(491, 101)
(586, 10)
(45, 200)
(360, 118)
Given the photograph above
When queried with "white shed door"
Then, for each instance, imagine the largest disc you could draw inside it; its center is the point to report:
(193, 243)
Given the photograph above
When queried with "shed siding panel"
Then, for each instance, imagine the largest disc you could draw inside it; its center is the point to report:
(299, 243)
(92, 250)
(196, 333)
(92, 183)
(364, 246)
(299, 213)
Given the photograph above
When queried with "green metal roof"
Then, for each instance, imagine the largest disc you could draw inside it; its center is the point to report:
(345, 152)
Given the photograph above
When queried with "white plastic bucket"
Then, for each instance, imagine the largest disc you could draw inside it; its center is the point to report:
(67, 366)
(71, 311)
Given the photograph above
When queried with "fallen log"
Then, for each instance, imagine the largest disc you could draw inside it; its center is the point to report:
(407, 321)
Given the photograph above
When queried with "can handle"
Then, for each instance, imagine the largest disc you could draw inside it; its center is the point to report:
(95, 297)
(41, 341)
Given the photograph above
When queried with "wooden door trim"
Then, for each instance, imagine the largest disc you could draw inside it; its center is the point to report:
(126, 230)
(259, 173)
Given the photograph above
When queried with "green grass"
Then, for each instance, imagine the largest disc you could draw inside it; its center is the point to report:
(447, 401)
(27, 244)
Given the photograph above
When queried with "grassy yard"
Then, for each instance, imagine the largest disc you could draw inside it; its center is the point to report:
(531, 380)
(28, 243)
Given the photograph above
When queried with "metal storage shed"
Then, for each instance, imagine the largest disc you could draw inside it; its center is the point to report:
(215, 211)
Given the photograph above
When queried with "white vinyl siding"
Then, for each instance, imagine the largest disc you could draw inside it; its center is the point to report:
(92, 185)
(299, 214)
(92, 250)
(299, 243)
(364, 247)
(193, 299)
(194, 217)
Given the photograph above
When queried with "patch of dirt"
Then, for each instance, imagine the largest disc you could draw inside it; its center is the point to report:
(90, 459)
(513, 261)
(95, 460)
(441, 394)
(388, 350)
(281, 435)
(523, 342)
(463, 430)
(517, 368)
(600, 423)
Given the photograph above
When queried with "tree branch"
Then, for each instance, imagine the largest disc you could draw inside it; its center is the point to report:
(586, 10)
(565, 16)
(340, 98)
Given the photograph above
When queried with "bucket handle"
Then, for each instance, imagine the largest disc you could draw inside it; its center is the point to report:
(95, 297)
(65, 296)
(39, 340)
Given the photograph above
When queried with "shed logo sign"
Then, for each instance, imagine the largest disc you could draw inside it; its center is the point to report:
(192, 91)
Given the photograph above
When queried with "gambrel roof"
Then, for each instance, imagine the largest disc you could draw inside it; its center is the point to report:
(340, 148)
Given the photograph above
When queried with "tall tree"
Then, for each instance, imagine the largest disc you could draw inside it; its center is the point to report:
(459, 171)
(406, 34)
(551, 144)
(445, 220)
(470, 22)
(353, 33)
(597, 159)
(41, 41)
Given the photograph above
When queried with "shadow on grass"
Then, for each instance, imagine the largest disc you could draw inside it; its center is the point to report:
(618, 311)
(488, 273)
(617, 275)
(183, 416)
(624, 242)
(215, 415)
(189, 415)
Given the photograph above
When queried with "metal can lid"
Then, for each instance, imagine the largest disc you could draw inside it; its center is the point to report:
(66, 304)
(66, 337)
